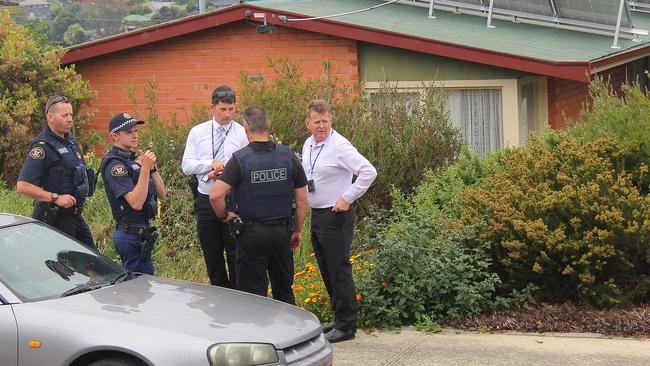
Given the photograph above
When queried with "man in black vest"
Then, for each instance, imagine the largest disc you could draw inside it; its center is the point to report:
(133, 186)
(266, 179)
(55, 174)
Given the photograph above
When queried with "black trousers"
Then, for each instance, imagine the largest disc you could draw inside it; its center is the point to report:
(331, 237)
(263, 248)
(215, 237)
(76, 227)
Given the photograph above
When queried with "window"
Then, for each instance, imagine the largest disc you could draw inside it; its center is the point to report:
(486, 111)
(477, 113)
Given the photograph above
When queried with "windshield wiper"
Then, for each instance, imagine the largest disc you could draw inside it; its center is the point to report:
(84, 287)
(125, 276)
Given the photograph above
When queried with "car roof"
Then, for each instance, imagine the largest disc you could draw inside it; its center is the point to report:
(7, 219)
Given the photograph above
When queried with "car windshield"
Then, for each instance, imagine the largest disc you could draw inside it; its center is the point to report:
(38, 263)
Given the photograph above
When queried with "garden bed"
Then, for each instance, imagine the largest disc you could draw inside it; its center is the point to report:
(565, 318)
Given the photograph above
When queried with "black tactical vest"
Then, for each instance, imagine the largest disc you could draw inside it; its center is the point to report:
(68, 174)
(267, 188)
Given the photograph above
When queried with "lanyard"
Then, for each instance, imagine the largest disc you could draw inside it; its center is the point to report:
(214, 153)
(313, 164)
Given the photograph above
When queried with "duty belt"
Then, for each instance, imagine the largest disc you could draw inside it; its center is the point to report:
(72, 211)
(131, 229)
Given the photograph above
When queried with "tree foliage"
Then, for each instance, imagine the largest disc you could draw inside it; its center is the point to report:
(27, 79)
(75, 35)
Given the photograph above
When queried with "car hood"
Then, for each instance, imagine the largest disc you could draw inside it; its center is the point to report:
(211, 313)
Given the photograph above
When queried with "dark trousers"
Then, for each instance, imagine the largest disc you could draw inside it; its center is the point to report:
(331, 237)
(76, 227)
(215, 237)
(263, 248)
(128, 247)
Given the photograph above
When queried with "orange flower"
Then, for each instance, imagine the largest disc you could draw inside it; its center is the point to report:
(358, 297)
(297, 287)
(312, 254)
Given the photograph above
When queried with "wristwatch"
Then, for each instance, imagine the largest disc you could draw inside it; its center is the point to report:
(54, 197)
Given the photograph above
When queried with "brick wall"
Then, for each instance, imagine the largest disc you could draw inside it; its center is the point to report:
(566, 97)
(187, 68)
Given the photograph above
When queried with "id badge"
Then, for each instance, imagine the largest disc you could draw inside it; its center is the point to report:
(311, 187)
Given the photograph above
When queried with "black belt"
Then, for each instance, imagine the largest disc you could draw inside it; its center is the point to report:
(72, 211)
(131, 229)
(269, 222)
(322, 209)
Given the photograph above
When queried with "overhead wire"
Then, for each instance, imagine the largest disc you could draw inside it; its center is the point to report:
(285, 19)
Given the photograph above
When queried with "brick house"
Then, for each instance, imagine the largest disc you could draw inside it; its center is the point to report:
(503, 82)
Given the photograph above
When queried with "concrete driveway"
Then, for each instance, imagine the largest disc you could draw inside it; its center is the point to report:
(451, 347)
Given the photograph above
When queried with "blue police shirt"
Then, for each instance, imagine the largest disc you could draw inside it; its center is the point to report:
(56, 164)
(120, 176)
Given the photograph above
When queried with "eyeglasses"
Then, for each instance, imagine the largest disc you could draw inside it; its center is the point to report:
(54, 100)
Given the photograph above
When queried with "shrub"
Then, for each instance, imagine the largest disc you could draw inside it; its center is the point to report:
(569, 216)
(419, 277)
(27, 79)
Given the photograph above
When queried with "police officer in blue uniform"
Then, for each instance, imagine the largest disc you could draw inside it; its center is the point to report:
(268, 186)
(133, 186)
(56, 176)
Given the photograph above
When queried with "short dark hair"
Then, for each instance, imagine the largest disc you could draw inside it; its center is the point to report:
(256, 119)
(54, 100)
(319, 106)
(223, 94)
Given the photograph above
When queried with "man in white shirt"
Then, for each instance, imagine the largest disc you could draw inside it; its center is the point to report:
(208, 148)
(330, 162)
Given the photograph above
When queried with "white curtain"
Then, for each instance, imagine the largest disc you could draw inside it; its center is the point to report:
(477, 113)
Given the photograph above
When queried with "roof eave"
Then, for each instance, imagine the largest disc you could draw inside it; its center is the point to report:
(620, 58)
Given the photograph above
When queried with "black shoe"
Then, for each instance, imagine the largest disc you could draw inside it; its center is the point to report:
(336, 335)
(328, 327)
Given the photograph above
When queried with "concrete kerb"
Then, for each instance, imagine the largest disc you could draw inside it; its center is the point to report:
(453, 347)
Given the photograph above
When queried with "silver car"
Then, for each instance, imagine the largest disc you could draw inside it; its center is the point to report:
(63, 304)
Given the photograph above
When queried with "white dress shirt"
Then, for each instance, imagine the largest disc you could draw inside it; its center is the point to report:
(332, 164)
(198, 155)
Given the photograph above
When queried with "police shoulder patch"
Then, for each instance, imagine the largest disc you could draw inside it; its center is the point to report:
(119, 170)
(37, 153)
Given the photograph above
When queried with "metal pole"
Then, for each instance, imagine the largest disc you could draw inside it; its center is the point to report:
(431, 9)
(621, 7)
(201, 6)
(489, 20)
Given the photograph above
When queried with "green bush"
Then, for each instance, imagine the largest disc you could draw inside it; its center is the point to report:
(571, 217)
(419, 276)
(27, 79)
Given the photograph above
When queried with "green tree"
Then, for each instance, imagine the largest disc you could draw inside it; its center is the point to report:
(75, 35)
(105, 17)
(140, 9)
(192, 6)
(62, 19)
(38, 32)
(27, 79)
(167, 13)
